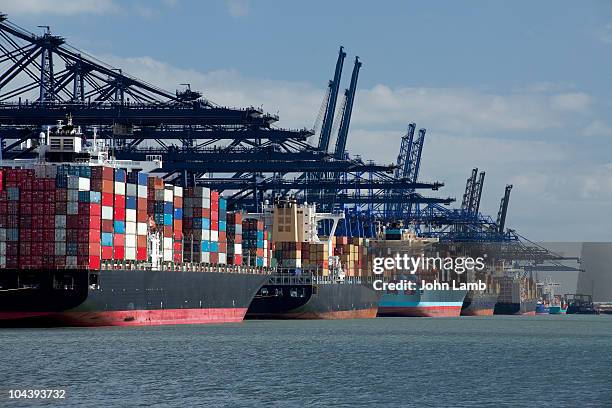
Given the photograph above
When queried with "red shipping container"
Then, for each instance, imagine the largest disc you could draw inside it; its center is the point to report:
(94, 262)
(118, 253)
(107, 252)
(120, 201)
(141, 216)
(107, 226)
(95, 210)
(178, 202)
(141, 241)
(94, 236)
(108, 186)
(107, 199)
(95, 222)
(237, 259)
(108, 173)
(178, 257)
(178, 247)
(141, 254)
(214, 225)
(214, 258)
(119, 240)
(119, 214)
(142, 204)
(222, 236)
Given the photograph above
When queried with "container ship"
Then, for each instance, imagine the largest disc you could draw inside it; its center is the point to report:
(517, 293)
(418, 302)
(480, 302)
(86, 240)
(317, 277)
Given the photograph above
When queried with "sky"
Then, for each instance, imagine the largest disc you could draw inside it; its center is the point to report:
(521, 90)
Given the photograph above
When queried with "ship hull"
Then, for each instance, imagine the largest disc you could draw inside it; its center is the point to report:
(327, 301)
(126, 298)
(426, 303)
(556, 310)
(479, 304)
(524, 308)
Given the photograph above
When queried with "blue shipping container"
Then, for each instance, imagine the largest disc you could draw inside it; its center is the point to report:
(130, 203)
(119, 227)
(107, 239)
(167, 219)
(178, 213)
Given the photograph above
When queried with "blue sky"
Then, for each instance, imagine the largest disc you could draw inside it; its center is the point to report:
(520, 89)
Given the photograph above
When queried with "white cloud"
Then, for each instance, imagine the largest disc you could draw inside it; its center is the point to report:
(605, 34)
(574, 102)
(61, 7)
(237, 8)
(598, 128)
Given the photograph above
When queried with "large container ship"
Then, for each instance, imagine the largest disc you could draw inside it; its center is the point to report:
(317, 277)
(421, 302)
(517, 295)
(480, 302)
(86, 240)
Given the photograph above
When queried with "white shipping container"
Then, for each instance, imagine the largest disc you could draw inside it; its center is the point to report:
(201, 192)
(168, 194)
(107, 212)
(73, 182)
(130, 190)
(130, 254)
(119, 188)
(60, 221)
(206, 235)
(206, 257)
(60, 248)
(71, 261)
(73, 195)
(141, 228)
(178, 191)
(237, 249)
(130, 240)
(84, 184)
(205, 203)
(60, 235)
(3, 248)
(222, 259)
(2, 234)
(72, 208)
(130, 227)
(168, 256)
(168, 243)
(214, 235)
(142, 191)
(2, 261)
(130, 215)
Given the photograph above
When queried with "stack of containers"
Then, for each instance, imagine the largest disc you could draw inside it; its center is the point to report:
(141, 217)
(60, 211)
(289, 254)
(107, 187)
(253, 243)
(131, 207)
(3, 216)
(178, 224)
(119, 215)
(13, 217)
(213, 246)
(234, 238)
(196, 224)
(168, 216)
(222, 249)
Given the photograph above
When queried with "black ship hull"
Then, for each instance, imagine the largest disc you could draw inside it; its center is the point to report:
(525, 307)
(479, 304)
(315, 301)
(122, 297)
